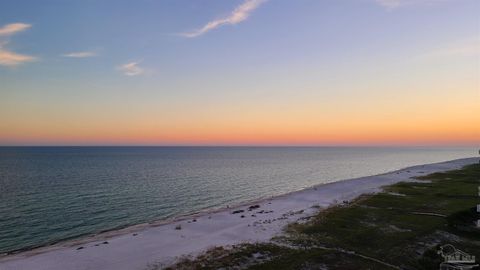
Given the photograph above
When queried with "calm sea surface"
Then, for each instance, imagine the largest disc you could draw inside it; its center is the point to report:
(49, 194)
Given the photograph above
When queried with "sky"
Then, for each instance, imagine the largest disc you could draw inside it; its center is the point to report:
(240, 72)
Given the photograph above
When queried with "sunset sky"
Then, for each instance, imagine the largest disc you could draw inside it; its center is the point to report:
(240, 72)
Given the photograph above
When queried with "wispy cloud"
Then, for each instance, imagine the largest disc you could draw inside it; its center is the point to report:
(12, 59)
(393, 4)
(239, 14)
(464, 48)
(131, 69)
(83, 54)
(8, 57)
(12, 28)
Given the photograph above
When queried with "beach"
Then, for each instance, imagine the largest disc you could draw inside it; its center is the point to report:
(141, 246)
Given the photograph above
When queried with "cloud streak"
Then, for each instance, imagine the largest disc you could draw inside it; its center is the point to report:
(390, 4)
(393, 4)
(83, 54)
(12, 59)
(131, 69)
(239, 14)
(12, 28)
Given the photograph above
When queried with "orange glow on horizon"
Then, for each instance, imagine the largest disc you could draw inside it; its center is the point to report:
(352, 133)
(447, 118)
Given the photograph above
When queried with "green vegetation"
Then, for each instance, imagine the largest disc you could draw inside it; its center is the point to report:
(400, 228)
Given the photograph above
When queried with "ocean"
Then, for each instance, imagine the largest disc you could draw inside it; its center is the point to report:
(50, 194)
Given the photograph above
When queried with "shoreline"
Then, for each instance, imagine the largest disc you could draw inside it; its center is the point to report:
(137, 246)
(109, 233)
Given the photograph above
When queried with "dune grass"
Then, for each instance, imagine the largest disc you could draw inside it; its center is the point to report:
(400, 228)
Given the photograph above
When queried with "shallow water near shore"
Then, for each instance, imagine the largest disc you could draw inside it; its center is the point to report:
(48, 194)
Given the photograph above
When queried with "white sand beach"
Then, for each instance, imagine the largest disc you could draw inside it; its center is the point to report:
(137, 247)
